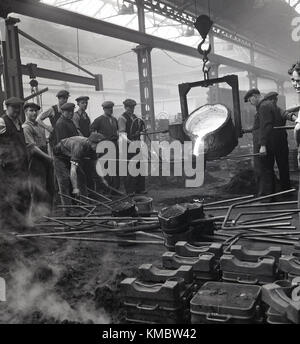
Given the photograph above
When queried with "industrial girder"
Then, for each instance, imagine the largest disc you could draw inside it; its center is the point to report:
(146, 85)
(57, 15)
(167, 9)
(12, 74)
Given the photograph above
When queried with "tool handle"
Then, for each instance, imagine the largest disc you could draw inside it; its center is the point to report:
(147, 307)
(218, 317)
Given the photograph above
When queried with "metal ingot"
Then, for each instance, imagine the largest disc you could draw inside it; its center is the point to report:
(184, 249)
(149, 314)
(172, 239)
(260, 272)
(204, 263)
(150, 273)
(172, 218)
(289, 265)
(195, 210)
(265, 265)
(244, 254)
(276, 297)
(165, 294)
(276, 318)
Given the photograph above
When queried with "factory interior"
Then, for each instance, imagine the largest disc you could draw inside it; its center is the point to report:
(219, 82)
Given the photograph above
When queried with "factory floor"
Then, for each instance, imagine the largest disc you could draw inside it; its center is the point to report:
(58, 281)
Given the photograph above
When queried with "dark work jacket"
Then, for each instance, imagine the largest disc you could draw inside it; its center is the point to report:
(13, 151)
(103, 126)
(57, 115)
(53, 120)
(134, 127)
(267, 117)
(84, 125)
(64, 128)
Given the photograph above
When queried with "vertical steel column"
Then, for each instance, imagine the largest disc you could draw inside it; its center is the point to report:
(146, 85)
(252, 56)
(145, 73)
(12, 70)
(141, 15)
(252, 80)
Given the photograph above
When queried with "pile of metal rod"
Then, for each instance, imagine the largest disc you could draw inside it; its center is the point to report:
(94, 225)
(97, 223)
(271, 225)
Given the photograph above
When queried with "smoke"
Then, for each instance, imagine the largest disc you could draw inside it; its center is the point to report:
(34, 289)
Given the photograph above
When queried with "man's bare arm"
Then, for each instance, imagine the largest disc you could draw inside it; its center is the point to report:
(41, 119)
(73, 177)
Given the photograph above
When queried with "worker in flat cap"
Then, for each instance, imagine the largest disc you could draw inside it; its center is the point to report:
(81, 118)
(14, 163)
(269, 142)
(41, 170)
(69, 154)
(130, 129)
(83, 124)
(282, 148)
(107, 125)
(53, 113)
(65, 126)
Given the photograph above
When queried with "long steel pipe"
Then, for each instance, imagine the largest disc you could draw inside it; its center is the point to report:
(252, 201)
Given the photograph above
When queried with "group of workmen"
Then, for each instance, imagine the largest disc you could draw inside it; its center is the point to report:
(33, 168)
(270, 142)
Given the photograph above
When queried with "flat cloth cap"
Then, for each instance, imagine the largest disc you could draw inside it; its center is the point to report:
(14, 101)
(31, 105)
(251, 93)
(82, 98)
(271, 95)
(63, 93)
(96, 137)
(129, 102)
(67, 107)
(108, 104)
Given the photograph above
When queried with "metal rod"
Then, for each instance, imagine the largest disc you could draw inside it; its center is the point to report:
(252, 201)
(267, 225)
(285, 127)
(124, 230)
(266, 212)
(73, 199)
(98, 194)
(34, 40)
(150, 235)
(43, 90)
(100, 218)
(228, 200)
(239, 156)
(119, 200)
(272, 219)
(274, 204)
(98, 203)
(112, 241)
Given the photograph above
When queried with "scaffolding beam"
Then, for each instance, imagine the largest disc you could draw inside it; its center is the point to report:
(60, 16)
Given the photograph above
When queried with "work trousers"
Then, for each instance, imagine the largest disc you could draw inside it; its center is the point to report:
(264, 168)
(62, 168)
(113, 178)
(134, 184)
